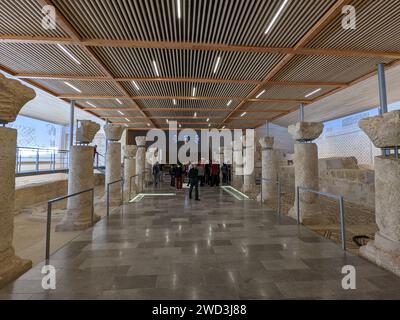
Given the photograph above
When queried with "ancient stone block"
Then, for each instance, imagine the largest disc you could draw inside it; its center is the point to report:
(114, 132)
(384, 131)
(306, 131)
(86, 131)
(13, 96)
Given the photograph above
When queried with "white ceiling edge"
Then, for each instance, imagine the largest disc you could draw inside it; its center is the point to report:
(49, 108)
(357, 98)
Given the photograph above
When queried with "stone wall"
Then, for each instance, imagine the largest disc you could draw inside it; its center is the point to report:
(357, 185)
(36, 193)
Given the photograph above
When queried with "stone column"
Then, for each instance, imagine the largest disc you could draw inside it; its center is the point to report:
(129, 171)
(269, 169)
(249, 179)
(13, 96)
(113, 162)
(237, 178)
(11, 266)
(80, 178)
(384, 131)
(306, 171)
(140, 162)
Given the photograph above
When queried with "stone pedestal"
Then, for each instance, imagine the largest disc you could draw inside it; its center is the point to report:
(307, 176)
(249, 179)
(113, 172)
(269, 169)
(80, 178)
(384, 132)
(140, 162)
(11, 266)
(237, 175)
(306, 172)
(130, 171)
(385, 250)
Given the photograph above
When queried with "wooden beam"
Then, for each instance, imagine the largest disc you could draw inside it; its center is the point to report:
(280, 101)
(191, 110)
(325, 20)
(200, 80)
(46, 76)
(298, 50)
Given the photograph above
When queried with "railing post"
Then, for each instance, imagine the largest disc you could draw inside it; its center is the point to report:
(298, 204)
(122, 191)
(108, 200)
(37, 160)
(262, 183)
(279, 198)
(48, 230)
(342, 223)
(92, 213)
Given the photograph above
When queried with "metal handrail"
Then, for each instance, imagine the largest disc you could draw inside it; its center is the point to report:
(49, 210)
(108, 193)
(340, 198)
(278, 183)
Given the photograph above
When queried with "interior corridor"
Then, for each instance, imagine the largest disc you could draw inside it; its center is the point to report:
(169, 247)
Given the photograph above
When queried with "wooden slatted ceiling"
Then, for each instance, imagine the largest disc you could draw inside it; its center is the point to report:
(138, 32)
(207, 21)
(375, 28)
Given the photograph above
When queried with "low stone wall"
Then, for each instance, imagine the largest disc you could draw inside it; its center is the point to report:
(36, 193)
(357, 185)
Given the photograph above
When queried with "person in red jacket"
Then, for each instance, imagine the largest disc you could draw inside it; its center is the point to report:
(215, 170)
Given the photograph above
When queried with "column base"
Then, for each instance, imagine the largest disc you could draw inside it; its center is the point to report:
(269, 202)
(70, 224)
(12, 267)
(310, 214)
(383, 252)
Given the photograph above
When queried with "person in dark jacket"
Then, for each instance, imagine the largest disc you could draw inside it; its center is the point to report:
(225, 171)
(156, 173)
(172, 171)
(178, 176)
(194, 182)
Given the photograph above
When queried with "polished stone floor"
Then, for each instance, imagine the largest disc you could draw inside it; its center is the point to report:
(219, 248)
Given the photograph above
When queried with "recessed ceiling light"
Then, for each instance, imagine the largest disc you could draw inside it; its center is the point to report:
(136, 85)
(167, 121)
(148, 124)
(156, 68)
(178, 5)
(73, 87)
(208, 119)
(195, 115)
(229, 102)
(68, 53)
(312, 93)
(90, 104)
(278, 13)
(194, 92)
(174, 102)
(260, 94)
(217, 64)
(209, 125)
(120, 113)
(243, 114)
(180, 126)
(223, 127)
(127, 120)
(119, 101)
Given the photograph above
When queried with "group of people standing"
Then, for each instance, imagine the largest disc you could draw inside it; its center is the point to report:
(198, 174)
